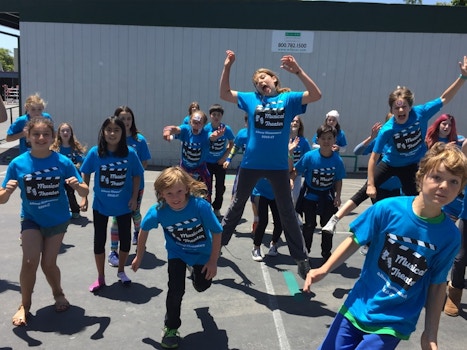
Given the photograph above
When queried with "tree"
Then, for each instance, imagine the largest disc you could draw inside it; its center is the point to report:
(413, 2)
(6, 60)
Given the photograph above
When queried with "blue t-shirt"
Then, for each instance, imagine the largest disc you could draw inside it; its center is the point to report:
(320, 172)
(460, 140)
(264, 189)
(18, 126)
(113, 180)
(463, 213)
(188, 232)
(42, 181)
(218, 147)
(404, 144)
(302, 147)
(75, 156)
(407, 254)
(240, 141)
(269, 119)
(341, 140)
(195, 148)
(391, 184)
(142, 150)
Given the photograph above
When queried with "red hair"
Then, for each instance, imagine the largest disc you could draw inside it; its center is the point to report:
(432, 134)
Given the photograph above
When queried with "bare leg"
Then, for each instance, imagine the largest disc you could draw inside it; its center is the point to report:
(345, 209)
(122, 258)
(49, 263)
(32, 247)
(100, 261)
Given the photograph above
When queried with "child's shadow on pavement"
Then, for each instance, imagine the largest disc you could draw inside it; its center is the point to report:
(71, 322)
(210, 338)
(135, 293)
(150, 261)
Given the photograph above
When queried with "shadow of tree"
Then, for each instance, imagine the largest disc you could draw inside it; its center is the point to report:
(70, 322)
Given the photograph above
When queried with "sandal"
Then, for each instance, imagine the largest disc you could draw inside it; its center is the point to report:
(61, 303)
(19, 318)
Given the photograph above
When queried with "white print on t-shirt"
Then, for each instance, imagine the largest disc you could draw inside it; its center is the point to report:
(407, 141)
(323, 177)
(269, 117)
(112, 176)
(188, 235)
(218, 145)
(191, 151)
(401, 265)
(41, 188)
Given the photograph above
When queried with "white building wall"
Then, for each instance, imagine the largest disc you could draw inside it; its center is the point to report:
(85, 71)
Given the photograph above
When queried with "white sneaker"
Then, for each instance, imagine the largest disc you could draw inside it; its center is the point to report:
(123, 278)
(113, 258)
(256, 255)
(330, 227)
(272, 250)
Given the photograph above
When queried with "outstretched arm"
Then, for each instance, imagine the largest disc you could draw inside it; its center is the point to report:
(226, 93)
(312, 92)
(341, 254)
(452, 90)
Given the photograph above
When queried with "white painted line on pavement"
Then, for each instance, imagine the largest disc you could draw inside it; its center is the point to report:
(276, 314)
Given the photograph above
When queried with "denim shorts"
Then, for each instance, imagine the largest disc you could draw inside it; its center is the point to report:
(27, 224)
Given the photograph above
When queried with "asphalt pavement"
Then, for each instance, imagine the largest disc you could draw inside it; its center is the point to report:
(250, 305)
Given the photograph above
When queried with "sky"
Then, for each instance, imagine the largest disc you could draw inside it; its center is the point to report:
(9, 42)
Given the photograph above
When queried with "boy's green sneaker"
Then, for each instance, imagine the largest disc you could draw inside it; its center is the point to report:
(170, 338)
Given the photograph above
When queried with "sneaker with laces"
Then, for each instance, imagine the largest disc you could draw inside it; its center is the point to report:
(330, 227)
(170, 338)
(134, 241)
(272, 250)
(123, 278)
(303, 266)
(256, 254)
(113, 258)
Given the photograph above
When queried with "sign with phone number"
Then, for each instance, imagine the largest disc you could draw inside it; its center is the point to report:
(292, 41)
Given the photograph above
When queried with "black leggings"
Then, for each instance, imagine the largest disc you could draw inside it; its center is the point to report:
(100, 231)
(262, 203)
(176, 284)
(460, 262)
(383, 172)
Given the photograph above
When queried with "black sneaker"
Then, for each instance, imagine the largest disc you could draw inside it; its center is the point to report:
(170, 338)
(303, 268)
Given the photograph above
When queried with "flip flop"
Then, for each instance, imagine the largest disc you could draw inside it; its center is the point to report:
(61, 304)
(20, 320)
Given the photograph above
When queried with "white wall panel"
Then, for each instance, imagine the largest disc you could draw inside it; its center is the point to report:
(85, 71)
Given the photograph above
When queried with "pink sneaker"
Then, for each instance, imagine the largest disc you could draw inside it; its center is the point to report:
(98, 284)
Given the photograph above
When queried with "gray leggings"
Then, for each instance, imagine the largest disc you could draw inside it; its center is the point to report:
(280, 182)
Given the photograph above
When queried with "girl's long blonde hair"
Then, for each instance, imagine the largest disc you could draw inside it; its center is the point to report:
(176, 175)
(75, 145)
